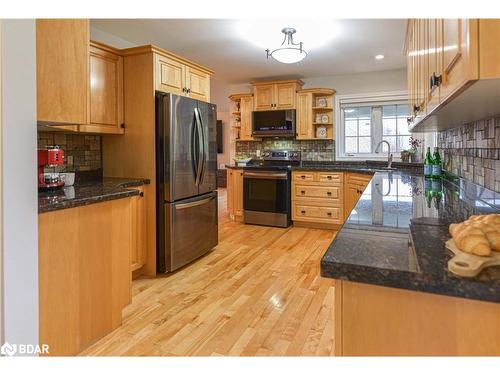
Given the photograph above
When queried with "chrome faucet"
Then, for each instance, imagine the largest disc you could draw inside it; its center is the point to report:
(389, 155)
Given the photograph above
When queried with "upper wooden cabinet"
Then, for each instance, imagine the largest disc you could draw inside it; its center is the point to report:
(275, 95)
(315, 110)
(62, 71)
(246, 107)
(79, 83)
(181, 77)
(453, 71)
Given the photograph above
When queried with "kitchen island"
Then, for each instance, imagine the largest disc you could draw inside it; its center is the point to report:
(394, 294)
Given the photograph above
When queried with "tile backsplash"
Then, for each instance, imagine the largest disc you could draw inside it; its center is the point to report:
(317, 150)
(472, 151)
(82, 152)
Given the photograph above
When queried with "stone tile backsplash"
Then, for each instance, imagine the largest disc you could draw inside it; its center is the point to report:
(472, 151)
(82, 152)
(318, 150)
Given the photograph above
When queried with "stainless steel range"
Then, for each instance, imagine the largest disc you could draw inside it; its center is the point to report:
(267, 188)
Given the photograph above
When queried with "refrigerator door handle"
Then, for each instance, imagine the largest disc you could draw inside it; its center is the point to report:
(183, 206)
(194, 155)
(201, 146)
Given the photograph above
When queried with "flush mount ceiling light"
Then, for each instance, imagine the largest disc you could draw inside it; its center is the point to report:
(289, 52)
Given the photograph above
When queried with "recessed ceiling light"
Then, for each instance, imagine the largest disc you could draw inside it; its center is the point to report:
(379, 57)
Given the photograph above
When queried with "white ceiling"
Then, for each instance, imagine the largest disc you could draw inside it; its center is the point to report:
(349, 45)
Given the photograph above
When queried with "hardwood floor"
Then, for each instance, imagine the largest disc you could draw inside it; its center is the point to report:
(258, 292)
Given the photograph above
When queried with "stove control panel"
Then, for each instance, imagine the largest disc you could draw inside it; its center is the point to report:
(281, 155)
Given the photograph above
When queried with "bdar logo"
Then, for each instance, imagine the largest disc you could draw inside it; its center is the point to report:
(8, 349)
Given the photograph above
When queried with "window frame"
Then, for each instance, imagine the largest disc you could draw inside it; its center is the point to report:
(363, 100)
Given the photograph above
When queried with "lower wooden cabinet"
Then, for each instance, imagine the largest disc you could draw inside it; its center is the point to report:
(354, 185)
(84, 273)
(317, 198)
(138, 230)
(235, 193)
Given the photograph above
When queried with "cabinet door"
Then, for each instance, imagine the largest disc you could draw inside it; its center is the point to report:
(422, 66)
(169, 75)
(264, 97)
(230, 192)
(434, 73)
(351, 196)
(139, 244)
(304, 116)
(62, 70)
(197, 84)
(410, 60)
(455, 44)
(238, 192)
(246, 106)
(106, 88)
(285, 96)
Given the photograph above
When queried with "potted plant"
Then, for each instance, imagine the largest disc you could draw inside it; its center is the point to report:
(405, 156)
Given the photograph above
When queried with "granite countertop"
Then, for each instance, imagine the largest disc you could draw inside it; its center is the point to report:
(86, 193)
(395, 236)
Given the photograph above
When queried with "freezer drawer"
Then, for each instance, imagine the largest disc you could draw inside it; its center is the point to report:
(191, 230)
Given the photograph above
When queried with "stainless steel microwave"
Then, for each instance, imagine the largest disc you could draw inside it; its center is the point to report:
(276, 123)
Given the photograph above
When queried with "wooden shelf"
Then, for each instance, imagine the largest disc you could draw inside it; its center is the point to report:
(236, 113)
(323, 108)
(322, 123)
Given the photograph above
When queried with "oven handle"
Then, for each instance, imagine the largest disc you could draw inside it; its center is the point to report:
(266, 175)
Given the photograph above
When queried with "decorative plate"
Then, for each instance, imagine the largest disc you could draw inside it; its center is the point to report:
(325, 119)
(321, 102)
(321, 132)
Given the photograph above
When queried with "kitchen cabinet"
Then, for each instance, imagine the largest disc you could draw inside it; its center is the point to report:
(62, 70)
(355, 184)
(453, 72)
(275, 94)
(179, 77)
(246, 108)
(235, 193)
(318, 199)
(138, 230)
(106, 90)
(84, 273)
(79, 83)
(314, 110)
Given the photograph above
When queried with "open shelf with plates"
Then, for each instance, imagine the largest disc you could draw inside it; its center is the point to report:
(315, 117)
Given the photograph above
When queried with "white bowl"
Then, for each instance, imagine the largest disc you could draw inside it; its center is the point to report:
(68, 178)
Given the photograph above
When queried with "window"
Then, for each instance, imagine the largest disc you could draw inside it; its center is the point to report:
(364, 121)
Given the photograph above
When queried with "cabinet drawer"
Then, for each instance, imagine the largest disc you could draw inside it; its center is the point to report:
(360, 179)
(332, 193)
(333, 214)
(304, 176)
(329, 177)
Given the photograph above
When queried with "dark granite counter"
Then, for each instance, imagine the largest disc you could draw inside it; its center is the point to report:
(86, 193)
(395, 236)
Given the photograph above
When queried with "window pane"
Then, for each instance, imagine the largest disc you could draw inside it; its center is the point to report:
(350, 113)
(389, 111)
(404, 142)
(389, 126)
(365, 127)
(364, 112)
(351, 145)
(351, 128)
(365, 144)
(392, 141)
(402, 110)
(402, 126)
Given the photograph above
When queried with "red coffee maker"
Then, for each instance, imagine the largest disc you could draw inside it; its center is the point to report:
(51, 156)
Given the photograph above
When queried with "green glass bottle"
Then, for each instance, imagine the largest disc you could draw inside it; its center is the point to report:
(436, 165)
(428, 162)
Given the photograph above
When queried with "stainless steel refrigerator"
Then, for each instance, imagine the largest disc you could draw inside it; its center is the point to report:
(186, 165)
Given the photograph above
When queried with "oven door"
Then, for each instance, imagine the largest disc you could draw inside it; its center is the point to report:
(266, 191)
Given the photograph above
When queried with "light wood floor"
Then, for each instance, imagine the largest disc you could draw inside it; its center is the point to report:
(258, 292)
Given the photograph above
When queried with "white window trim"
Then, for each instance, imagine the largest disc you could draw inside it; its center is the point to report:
(387, 96)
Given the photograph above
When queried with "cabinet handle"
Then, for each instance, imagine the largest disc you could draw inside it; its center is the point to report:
(183, 89)
(328, 193)
(303, 192)
(302, 212)
(188, 91)
(329, 213)
(436, 80)
(329, 177)
(122, 125)
(141, 194)
(409, 120)
(302, 177)
(416, 108)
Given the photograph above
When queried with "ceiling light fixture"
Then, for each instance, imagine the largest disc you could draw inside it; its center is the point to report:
(379, 57)
(289, 52)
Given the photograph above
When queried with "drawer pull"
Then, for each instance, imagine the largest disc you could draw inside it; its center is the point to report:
(329, 213)
(329, 177)
(302, 192)
(302, 212)
(302, 177)
(329, 193)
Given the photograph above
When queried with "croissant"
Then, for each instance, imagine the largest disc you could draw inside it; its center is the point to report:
(472, 239)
